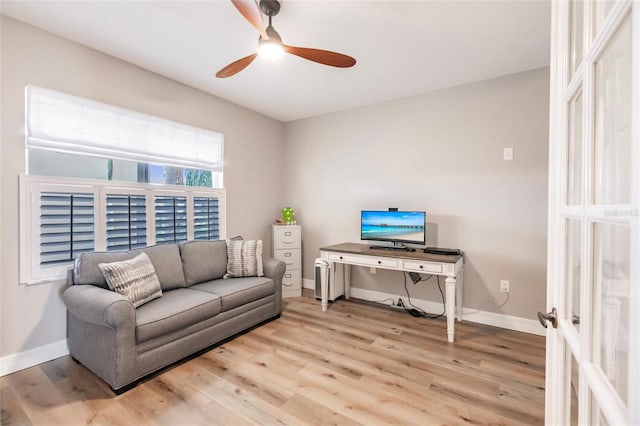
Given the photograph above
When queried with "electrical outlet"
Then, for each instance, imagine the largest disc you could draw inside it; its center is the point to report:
(507, 153)
(504, 286)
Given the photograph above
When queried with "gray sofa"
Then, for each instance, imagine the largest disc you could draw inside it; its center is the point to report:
(198, 309)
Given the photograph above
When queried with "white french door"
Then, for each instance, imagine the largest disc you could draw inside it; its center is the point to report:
(593, 339)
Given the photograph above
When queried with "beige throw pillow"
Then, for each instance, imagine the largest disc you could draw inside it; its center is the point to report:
(134, 278)
(244, 258)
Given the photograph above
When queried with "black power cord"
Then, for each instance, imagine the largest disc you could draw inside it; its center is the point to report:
(414, 310)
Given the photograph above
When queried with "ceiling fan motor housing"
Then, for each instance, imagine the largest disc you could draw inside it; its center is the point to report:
(270, 7)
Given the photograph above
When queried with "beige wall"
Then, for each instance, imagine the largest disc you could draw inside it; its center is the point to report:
(440, 152)
(34, 316)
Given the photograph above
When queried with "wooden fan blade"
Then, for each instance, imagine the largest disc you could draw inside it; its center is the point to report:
(235, 67)
(325, 57)
(252, 13)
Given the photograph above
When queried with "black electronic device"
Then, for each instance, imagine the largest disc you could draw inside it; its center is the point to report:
(445, 251)
(415, 277)
(393, 209)
(391, 248)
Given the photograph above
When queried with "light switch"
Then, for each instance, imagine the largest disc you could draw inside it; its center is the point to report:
(508, 153)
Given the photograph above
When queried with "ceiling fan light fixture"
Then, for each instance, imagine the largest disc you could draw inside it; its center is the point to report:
(270, 44)
(271, 50)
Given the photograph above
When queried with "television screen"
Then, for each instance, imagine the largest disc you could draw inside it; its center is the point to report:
(393, 226)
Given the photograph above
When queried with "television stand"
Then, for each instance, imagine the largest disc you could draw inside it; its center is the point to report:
(450, 267)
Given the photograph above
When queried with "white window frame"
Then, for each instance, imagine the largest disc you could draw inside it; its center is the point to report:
(31, 272)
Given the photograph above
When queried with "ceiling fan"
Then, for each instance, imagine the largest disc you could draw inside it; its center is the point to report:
(270, 45)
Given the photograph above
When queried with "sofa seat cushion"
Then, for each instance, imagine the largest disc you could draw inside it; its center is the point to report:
(234, 292)
(176, 309)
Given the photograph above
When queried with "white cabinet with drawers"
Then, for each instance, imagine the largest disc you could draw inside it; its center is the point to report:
(287, 246)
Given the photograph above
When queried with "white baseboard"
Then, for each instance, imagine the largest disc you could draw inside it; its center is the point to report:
(307, 283)
(509, 322)
(504, 321)
(21, 360)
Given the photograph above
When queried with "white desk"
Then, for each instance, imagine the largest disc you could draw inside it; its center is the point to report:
(349, 254)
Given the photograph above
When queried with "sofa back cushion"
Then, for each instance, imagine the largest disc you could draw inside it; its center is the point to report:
(203, 260)
(165, 259)
(86, 270)
(168, 265)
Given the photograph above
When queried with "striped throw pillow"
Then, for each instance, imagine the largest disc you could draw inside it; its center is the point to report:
(135, 279)
(244, 258)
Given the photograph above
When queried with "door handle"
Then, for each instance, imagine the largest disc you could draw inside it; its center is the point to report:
(575, 319)
(552, 317)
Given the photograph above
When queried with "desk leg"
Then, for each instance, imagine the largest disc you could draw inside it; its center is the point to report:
(324, 288)
(451, 295)
(460, 285)
(347, 280)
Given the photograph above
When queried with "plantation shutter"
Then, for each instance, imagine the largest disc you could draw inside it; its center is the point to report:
(66, 226)
(126, 222)
(170, 219)
(206, 218)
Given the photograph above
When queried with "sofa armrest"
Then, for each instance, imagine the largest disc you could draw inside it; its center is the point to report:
(98, 306)
(274, 269)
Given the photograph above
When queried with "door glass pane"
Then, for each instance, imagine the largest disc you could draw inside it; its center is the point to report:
(575, 37)
(572, 271)
(611, 262)
(574, 385)
(574, 155)
(602, 421)
(598, 416)
(600, 13)
(613, 120)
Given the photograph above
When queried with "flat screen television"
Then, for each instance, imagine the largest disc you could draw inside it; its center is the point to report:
(393, 226)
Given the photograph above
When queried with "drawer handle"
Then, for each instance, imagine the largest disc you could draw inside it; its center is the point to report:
(379, 262)
(340, 257)
(287, 255)
(421, 267)
(287, 234)
(287, 275)
(287, 242)
(288, 263)
(287, 285)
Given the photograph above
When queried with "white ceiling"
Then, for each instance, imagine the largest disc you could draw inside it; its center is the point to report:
(403, 48)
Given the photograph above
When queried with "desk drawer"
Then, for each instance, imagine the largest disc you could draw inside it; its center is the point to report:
(426, 267)
(364, 260)
(290, 257)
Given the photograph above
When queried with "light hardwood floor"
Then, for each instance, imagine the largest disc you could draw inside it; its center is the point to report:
(355, 364)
